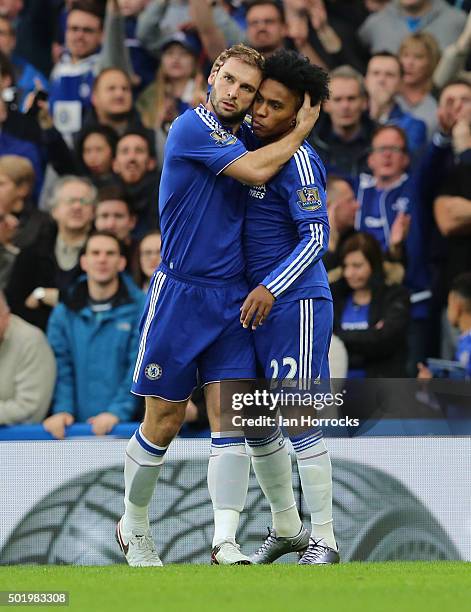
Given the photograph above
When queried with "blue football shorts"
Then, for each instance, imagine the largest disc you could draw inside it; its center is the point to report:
(293, 343)
(191, 325)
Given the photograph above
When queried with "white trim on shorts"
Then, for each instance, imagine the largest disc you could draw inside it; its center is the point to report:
(306, 342)
(158, 283)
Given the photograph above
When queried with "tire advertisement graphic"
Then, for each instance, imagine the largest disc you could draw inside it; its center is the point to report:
(376, 517)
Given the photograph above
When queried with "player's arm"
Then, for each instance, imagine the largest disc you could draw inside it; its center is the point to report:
(304, 189)
(314, 241)
(258, 167)
(309, 211)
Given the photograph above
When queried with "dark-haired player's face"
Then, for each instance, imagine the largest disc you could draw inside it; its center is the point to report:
(233, 90)
(274, 110)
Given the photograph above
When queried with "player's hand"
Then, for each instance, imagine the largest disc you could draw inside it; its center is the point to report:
(423, 372)
(103, 423)
(57, 423)
(257, 306)
(307, 117)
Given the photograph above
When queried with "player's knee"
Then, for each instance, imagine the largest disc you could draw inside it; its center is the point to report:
(162, 422)
(164, 430)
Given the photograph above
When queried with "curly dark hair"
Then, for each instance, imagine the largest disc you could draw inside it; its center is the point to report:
(297, 74)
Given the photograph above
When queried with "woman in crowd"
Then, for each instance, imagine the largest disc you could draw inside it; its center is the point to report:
(95, 153)
(419, 55)
(179, 85)
(148, 258)
(370, 316)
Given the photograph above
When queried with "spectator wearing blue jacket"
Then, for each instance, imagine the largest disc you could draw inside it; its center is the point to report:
(94, 333)
(27, 78)
(383, 82)
(393, 208)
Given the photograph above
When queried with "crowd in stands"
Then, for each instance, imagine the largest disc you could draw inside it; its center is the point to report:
(88, 91)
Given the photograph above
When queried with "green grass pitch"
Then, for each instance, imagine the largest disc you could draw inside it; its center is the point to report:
(352, 587)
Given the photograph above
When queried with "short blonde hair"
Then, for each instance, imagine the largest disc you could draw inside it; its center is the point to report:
(241, 52)
(18, 169)
(427, 42)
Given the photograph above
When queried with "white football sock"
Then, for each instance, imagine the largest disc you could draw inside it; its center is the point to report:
(272, 466)
(315, 472)
(141, 470)
(228, 481)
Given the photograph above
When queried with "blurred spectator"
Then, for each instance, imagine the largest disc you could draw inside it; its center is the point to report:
(148, 258)
(96, 149)
(135, 165)
(123, 14)
(94, 333)
(28, 371)
(35, 30)
(16, 186)
(453, 61)
(342, 206)
(179, 85)
(160, 20)
(20, 135)
(452, 207)
(383, 83)
(10, 8)
(316, 29)
(370, 315)
(419, 55)
(112, 101)
(115, 215)
(342, 136)
(8, 252)
(274, 25)
(266, 26)
(459, 316)
(72, 78)
(386, 29)
(26, 77)
(393, 208)
(7, 76)
(51, 264)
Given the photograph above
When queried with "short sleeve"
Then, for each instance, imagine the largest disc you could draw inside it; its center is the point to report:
(197, 136)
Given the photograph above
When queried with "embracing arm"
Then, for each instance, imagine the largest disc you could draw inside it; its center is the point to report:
(258, 167)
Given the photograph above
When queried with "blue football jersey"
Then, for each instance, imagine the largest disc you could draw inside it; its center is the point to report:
(201, 211)
(287, 230)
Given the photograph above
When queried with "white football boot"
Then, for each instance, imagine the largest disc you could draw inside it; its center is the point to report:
(228, 553)
(138, 548)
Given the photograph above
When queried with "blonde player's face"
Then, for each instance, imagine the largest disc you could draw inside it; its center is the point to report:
(233, 89)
